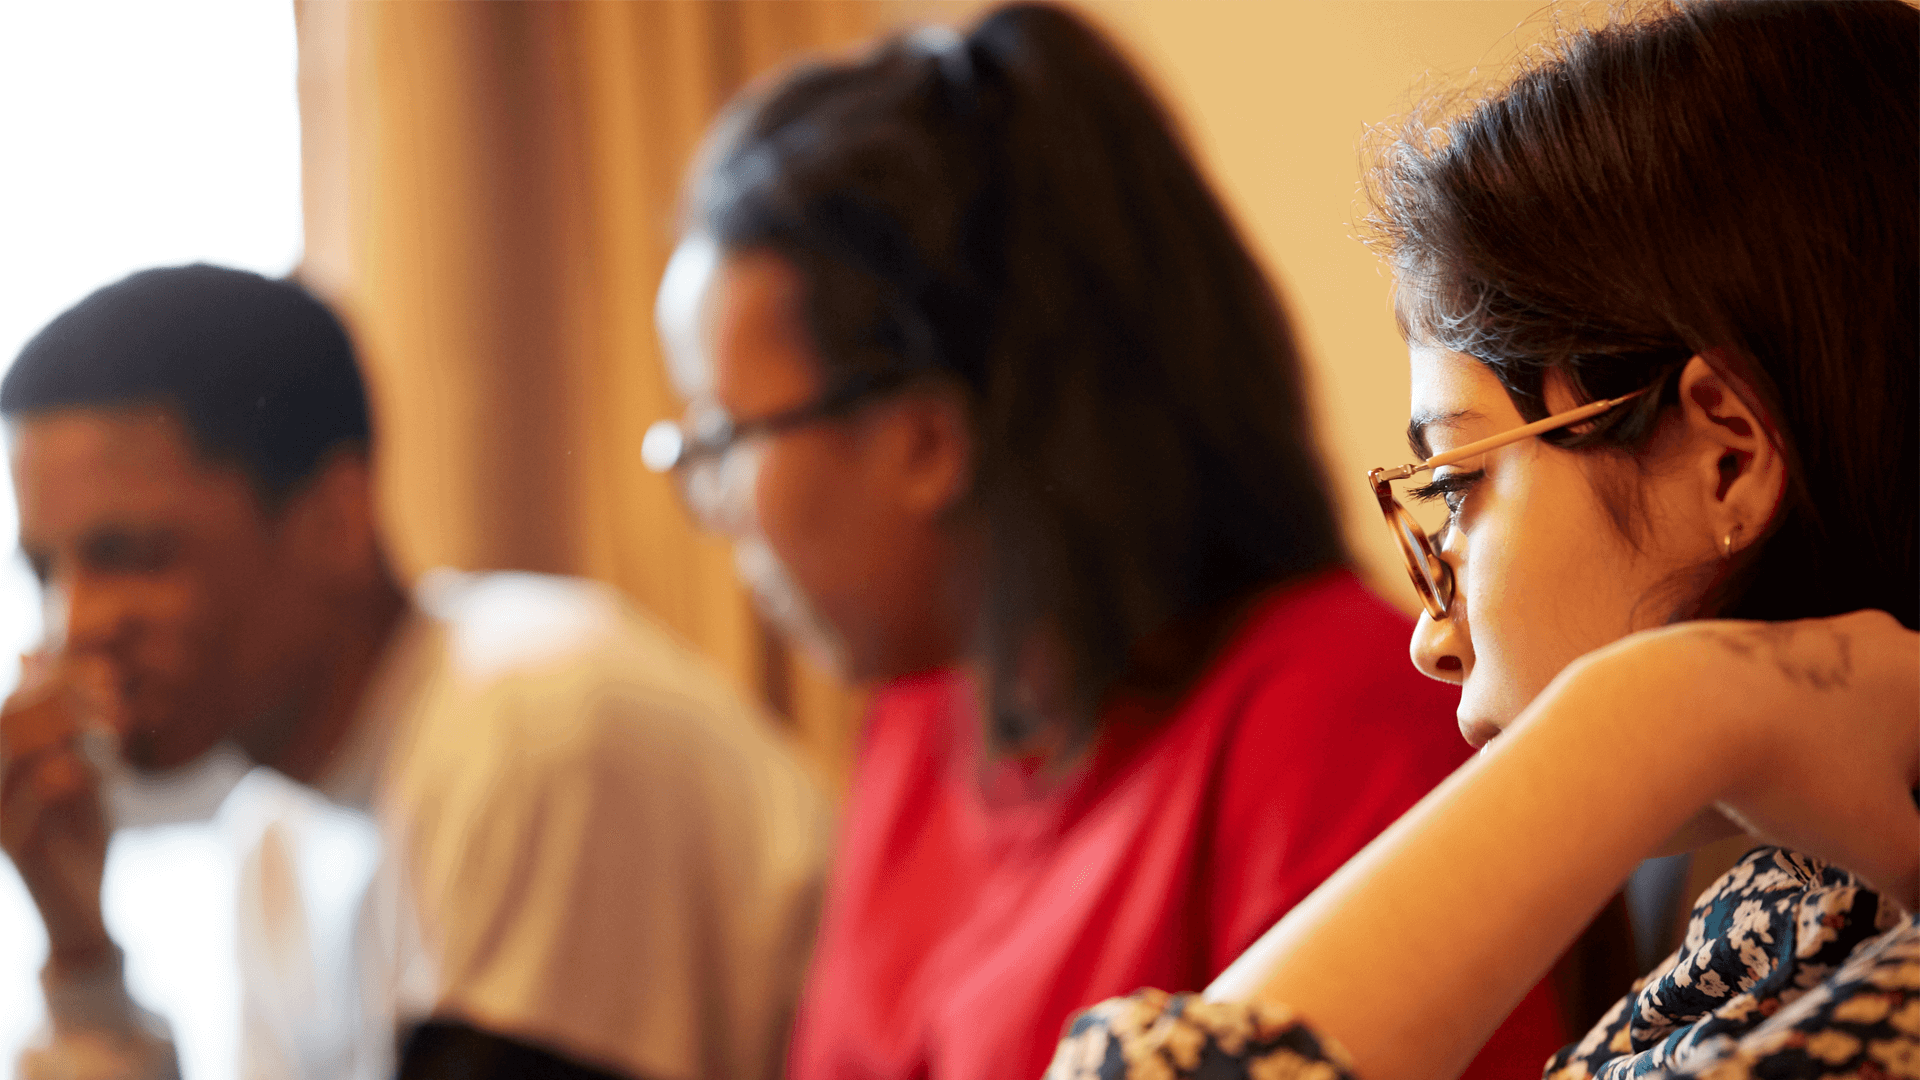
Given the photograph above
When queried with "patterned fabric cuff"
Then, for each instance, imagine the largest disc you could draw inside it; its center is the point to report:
(1153, 1035)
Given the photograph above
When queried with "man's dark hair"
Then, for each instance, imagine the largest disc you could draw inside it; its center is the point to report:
(1012, 212)
(1740, 180)
(259, 371)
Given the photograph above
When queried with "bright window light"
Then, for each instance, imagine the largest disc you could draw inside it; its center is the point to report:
(137, 134)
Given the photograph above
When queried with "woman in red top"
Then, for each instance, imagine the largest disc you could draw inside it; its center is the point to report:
(1001, 414)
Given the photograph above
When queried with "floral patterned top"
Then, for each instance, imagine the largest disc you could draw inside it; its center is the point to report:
(1791, 970)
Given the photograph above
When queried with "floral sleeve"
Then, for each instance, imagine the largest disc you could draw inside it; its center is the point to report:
(1153, 1035)
(1792, 970)
(1863, 1022)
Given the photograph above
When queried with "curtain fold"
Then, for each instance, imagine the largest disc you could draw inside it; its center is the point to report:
(490, 192)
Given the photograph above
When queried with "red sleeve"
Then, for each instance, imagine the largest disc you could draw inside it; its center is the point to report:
(1336, 737)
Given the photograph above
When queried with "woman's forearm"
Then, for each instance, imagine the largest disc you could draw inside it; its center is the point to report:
(1415, 951)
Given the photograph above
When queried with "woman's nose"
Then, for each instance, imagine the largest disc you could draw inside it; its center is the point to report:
(1441, 648)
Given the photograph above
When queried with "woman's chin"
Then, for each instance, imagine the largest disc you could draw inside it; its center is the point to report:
(1485, 709)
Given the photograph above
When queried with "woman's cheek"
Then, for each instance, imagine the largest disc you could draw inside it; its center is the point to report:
(1500, 580)
(1476, 615)
(1560, 592)
(781, 512)
(814, 523)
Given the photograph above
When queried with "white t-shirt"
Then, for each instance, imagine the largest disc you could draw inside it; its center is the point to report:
(551, 821)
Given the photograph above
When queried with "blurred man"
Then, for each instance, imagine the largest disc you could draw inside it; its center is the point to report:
(588, 856)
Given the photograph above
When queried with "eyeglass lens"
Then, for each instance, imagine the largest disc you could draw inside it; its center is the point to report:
(718, 488)
(1432, 578)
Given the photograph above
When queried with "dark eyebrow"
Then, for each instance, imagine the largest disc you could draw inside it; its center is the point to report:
(1418, 426)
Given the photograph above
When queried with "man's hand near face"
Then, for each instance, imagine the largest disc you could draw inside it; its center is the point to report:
(53, 825)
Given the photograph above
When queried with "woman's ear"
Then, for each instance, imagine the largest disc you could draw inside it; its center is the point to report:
(936, 459)
(1739, 470)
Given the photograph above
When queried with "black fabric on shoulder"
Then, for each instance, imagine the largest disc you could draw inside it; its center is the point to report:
(451, 1050)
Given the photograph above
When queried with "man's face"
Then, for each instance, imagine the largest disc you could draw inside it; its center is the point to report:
(162, 573)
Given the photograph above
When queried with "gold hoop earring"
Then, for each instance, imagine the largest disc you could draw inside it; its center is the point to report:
(1726, 542)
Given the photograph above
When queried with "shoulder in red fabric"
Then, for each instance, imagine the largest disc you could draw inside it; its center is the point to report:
(962, 932)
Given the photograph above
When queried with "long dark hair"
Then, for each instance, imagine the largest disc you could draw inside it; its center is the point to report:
(1013, 211)
(1739, 180)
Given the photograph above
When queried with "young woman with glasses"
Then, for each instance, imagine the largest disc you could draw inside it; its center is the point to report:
(1002, 416)
(1661, 296)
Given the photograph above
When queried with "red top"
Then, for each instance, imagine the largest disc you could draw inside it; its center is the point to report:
(971, 914)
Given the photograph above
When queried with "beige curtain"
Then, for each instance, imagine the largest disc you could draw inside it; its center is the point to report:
(489, 197)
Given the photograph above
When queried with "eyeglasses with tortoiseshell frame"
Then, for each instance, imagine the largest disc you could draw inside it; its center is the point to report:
(1432, 577)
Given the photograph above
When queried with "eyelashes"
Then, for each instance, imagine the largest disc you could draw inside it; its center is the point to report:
(1452, 487)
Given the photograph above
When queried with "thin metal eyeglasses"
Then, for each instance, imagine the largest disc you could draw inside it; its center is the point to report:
(1432, 577)
(695, 452)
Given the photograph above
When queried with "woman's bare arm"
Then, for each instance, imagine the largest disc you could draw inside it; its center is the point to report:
(1416, 950)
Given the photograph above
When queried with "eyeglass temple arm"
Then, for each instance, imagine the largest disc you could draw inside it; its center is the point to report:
(1495, 442)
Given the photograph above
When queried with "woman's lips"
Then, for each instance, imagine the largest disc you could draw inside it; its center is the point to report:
(1478, 733)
